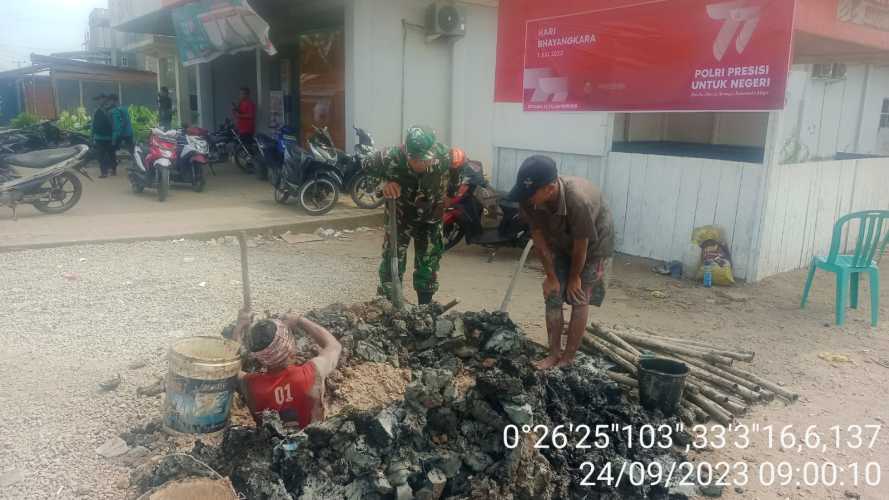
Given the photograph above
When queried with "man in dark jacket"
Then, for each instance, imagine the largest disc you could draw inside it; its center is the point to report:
(102, 131)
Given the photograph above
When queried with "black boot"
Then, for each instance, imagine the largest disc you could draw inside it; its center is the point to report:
(424, 298)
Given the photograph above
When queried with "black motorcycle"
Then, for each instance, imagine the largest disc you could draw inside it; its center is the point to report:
(226, 142)
(313, 180)
(365, 190)
(481, 215)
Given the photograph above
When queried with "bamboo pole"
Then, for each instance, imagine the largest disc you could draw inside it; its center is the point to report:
(607, 335)
(746, 356)
(718, 370)
(612, 353)
(780, 391)
(623, 379)
(652, 343)
(712, 409)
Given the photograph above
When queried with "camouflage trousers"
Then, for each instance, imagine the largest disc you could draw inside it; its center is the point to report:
(428, 249)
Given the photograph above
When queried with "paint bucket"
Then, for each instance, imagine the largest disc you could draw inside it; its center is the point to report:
(202, 376)
(661, 384)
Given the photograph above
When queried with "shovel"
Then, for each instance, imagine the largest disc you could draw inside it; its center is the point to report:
(515, 276)
(392, 229)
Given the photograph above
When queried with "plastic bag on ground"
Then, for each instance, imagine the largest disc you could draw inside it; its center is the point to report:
(715, 255)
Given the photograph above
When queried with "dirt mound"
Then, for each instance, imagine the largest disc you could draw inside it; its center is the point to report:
(471, 382)
(366, 386)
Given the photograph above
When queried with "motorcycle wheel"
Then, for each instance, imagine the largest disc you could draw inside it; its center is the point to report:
(274, 174)
(318, 196)
(365, 191)
(453, 234)
(137, 186)
(163, 184)
(65, 190)
(244, 160)
(199, 182)
(282, 194)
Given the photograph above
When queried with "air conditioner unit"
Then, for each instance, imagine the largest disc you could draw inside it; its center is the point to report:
(835, 71)
(838, 71)
(822, 71)
(445, 19)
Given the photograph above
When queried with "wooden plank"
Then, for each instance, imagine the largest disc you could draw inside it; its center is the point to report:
(745, 219)
(705, 214)
(662, 184)
(727, 199)
(686, 206)
(617, 188)
(776, 218)
(811, 214)
(635, 205)
(794, 226)
(846, 190)
(828, 195)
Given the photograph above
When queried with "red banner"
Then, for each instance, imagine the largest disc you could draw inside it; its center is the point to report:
(661, 55)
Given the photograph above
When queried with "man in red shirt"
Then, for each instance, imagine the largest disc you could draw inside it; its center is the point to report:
(296, 392)
(244, 112)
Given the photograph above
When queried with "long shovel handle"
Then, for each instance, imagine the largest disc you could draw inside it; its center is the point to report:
(245, 274)
(515, 276)
(397, 292)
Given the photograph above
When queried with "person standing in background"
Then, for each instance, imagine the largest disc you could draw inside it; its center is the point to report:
(102, 130)
(121, 129)
(244, 112)
(164, 108)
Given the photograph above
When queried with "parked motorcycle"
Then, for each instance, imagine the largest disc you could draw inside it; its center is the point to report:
(171, 156)
(45, 179)
(271, 151)
(226, 142)
(481, 215)
(365, 190)
(315, 182)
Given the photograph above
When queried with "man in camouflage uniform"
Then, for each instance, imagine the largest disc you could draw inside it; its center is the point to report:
(417, 175)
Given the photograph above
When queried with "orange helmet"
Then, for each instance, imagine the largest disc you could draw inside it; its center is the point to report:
(458, 157)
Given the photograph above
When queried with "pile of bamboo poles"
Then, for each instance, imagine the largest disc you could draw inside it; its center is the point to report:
(714, 389)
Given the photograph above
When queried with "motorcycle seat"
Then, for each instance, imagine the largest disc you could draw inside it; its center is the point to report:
(43, 158)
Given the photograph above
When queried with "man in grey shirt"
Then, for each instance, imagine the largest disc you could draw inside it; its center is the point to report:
(574, 235)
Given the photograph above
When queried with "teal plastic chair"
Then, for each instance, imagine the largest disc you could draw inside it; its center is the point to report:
(870, 243)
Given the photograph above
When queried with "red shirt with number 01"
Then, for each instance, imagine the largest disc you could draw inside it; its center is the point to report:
(285, 391)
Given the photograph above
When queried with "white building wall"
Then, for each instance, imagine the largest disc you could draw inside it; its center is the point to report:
(826, 117)
(805, 201)
(449, 83)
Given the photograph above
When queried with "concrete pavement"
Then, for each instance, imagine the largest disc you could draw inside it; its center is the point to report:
(109, 211)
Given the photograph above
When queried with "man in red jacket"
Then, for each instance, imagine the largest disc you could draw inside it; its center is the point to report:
(244, 112)
(296, 392)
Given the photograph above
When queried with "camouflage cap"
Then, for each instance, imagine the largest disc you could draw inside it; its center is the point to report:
(419, 142)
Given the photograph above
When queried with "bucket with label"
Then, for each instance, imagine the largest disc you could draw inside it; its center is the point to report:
(202, 376)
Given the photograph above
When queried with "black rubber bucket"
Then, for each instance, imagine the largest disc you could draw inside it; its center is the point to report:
(661, 384)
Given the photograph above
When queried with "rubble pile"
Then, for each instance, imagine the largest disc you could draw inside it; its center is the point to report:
(439, 442)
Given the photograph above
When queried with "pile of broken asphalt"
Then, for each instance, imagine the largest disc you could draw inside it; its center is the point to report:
(435, 443)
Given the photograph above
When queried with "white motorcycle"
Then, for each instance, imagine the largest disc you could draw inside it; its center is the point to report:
(44, 179)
